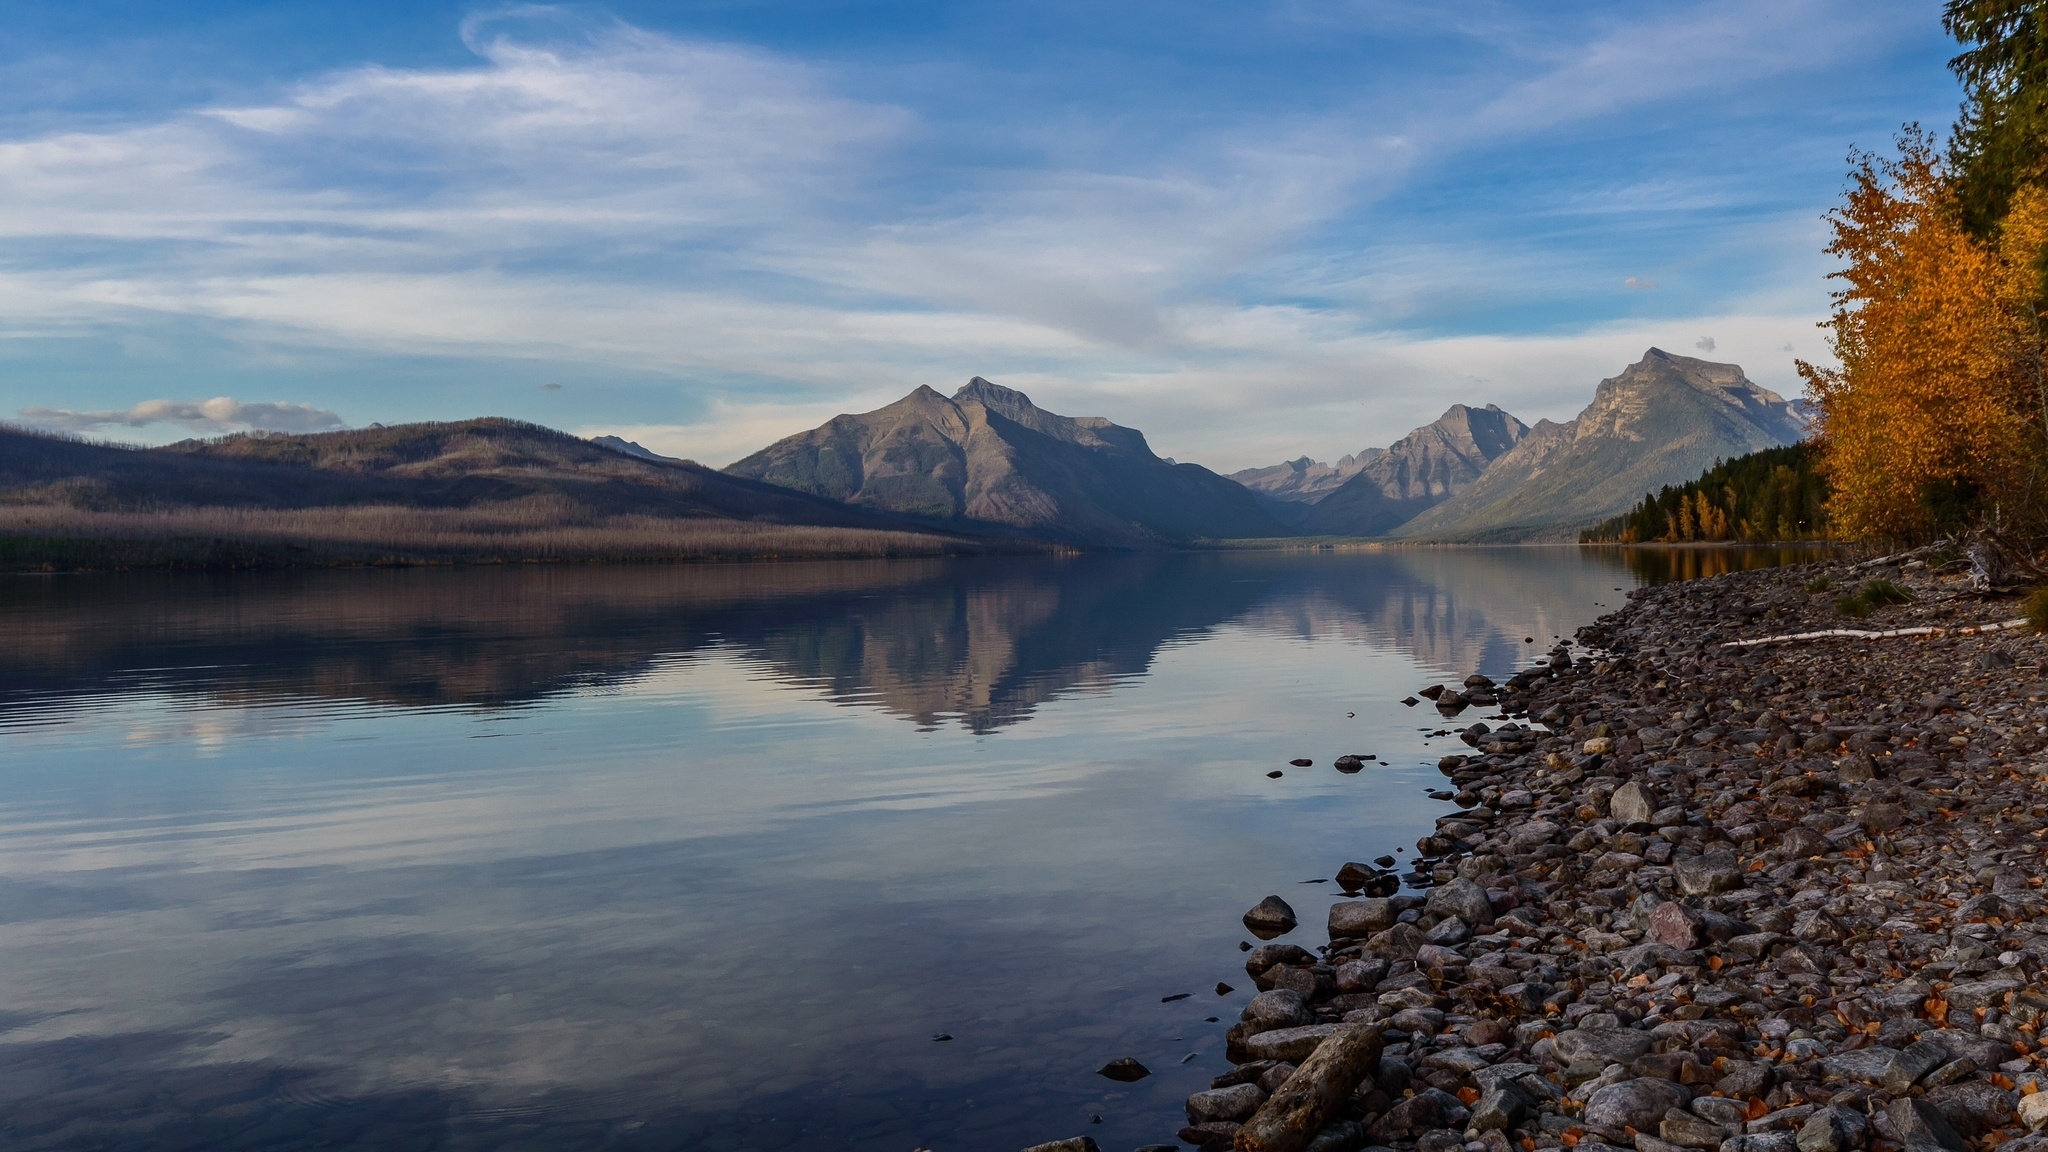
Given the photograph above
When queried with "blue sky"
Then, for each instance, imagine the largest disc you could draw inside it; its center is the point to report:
(1252, 230)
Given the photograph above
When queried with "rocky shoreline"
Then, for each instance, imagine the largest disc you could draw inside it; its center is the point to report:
(1784, 897)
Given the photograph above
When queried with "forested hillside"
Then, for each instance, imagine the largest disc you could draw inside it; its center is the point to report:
(1775, 494)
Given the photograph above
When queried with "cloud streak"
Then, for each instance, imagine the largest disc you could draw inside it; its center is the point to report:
(766, 235)
(218, 415)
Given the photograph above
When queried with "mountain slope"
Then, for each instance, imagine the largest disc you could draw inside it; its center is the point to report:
(1422, 469)
(1663, 420)
(475, 489)
(989, 456)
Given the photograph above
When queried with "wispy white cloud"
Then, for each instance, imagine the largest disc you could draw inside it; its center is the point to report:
(731, 220)
(220, 414)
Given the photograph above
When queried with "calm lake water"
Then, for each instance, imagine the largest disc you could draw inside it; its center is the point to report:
(696, 857)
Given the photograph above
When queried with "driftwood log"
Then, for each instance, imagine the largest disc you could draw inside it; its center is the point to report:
(1292, 1116)
(1858, 634)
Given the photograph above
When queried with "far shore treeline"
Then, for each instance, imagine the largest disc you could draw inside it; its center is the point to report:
(1771, 495)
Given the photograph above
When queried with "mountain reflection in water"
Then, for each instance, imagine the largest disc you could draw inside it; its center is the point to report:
(977, 642)
(695, 857)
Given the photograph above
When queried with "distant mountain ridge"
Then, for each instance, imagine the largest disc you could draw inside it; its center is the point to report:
(632, 448)
(486, 489)
(988, 455)
(1419, 471)
(1304, 480)
(1662, 420)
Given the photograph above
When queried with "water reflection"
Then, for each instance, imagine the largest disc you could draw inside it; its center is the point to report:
(978, 642)
(703, 857)
(1653, 564)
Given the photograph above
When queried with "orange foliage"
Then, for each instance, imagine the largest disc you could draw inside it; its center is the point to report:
(1940, 387)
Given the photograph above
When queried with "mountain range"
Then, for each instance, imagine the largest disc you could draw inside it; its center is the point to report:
(1417, 472)
(486, 489)
(988, 456)
(1663, 420)
(984, 469)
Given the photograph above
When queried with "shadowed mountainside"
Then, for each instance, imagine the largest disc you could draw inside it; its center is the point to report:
(485, 489)
(1664, 420)
(1418, 472)
(988, 456)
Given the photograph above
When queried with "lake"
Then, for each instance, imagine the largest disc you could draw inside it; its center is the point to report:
(698, 857)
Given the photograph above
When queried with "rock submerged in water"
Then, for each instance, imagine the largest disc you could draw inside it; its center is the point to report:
(1270, 917)
(1124, 1070)
(1767, 899)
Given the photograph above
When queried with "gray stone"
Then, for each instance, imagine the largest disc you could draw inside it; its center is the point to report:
(1762, 1142)
(1630, 804)
(1892, 1069)
(1752, 945)
(1949, 1073)
(1448, 931)
(1689, 1131)
(1360, 975)
(1974, 1107)
(1463, 1061)
(1215, 1136)
(1955, 1043)
(1419, 1021)
(1272, 1078)
(1360, 918)
(1920, 1127)
(1077, 1144)
(1280, 1008)
(1721, 1110)
(1640, 1103)
(1234, 1103)
(1743, 1079)
(1782, 1120)
(1463, 899)
(1427, 1110)
(1605, 1045)
(1974, 994)
(1500, 1107)
(1707, 875)
(1271, 915)
(1833, 1129)
(1502, 1074)
(1437, 955)
(1397, 943)
(1400, 999)
(1291, 1045)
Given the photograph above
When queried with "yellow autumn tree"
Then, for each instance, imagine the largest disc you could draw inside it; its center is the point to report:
(1937, 409)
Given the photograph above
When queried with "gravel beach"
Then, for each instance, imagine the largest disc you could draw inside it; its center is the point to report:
(1765, 898)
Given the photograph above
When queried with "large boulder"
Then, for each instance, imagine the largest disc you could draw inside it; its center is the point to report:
(1606, 1045)
(1288, 1045)
(1638, 1104)
(1463, 899)
(1270, 917)
(1360, 918)
(1279, 1008)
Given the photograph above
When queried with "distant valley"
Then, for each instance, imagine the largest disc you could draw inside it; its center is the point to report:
(982, 470)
